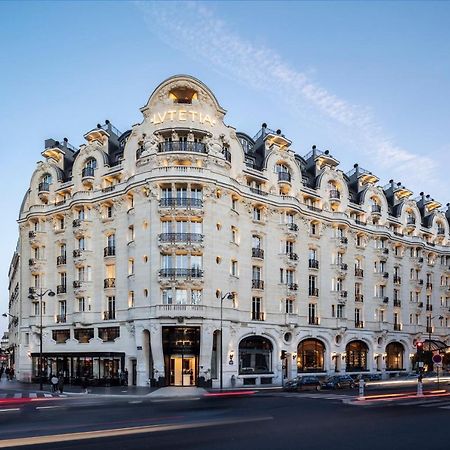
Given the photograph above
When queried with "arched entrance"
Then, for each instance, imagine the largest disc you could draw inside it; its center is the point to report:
(255, 355)
(356, 356)
(310, 356)
(394, 356)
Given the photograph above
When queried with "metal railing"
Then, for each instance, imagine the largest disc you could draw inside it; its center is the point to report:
(429, 307)
(61, 318)
(359, 324)
(397, 279)
(257, 253)
(77, 284)
(313, 264)
(359, 273)
(60, 260)
(313, 292)
(109, 251)
(284, 176)
(397, 327)
(44, 187)
(376, 209)
(182, 146)
(181, 273)
(88, 172)
(359, 298)
(77, 252)
(257, 315)
(334, 194)
(257, 284)
(292, 226)
(313, 320)
(181, 237)
(293, 256)
(109, 315)
(109, 283)
(258, 191)
(61, 289)
(181, 202)
(397, 303)
(227, 154)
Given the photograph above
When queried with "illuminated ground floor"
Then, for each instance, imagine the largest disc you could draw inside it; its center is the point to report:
(187, 353)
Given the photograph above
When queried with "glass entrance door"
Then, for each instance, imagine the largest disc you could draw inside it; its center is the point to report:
(183, 370)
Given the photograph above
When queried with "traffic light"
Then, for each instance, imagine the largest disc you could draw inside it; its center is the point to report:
(283, 354)
(419, 348)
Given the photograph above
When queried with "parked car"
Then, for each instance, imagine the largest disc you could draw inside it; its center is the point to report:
(339, 382)
(303, 384)
(371, 377)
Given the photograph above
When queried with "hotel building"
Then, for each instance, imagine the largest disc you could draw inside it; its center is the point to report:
(144, 234)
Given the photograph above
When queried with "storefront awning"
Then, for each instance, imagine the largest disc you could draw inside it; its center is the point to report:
(433, 345)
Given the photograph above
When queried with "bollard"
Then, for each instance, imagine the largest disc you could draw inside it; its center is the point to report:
(361, 388)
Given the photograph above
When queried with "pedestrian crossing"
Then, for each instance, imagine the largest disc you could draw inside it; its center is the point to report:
(30, 395)
(439, 403)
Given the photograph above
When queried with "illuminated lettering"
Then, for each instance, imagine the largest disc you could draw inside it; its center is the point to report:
(171, 113)
(162, 117)
(181, 115)
(193, 115)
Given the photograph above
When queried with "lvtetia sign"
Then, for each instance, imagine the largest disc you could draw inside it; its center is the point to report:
(182, 115)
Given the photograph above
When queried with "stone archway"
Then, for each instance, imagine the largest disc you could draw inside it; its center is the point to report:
(310, 356)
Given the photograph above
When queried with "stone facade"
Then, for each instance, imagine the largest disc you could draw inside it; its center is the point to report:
(140, 234)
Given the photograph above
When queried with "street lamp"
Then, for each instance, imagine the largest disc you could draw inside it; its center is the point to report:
(229, 296)
(40, 295)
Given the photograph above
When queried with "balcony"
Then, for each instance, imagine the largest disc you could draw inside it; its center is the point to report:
(32, 262)
(343, 294)
(313, 320)
(335, 195)
(32, 234)
(77, 284)
(420, 304)
(313, 292)
(385, 299)
(359, 273)
(43, 191)
(257, 315)
(61, 260)
(258, 191)
(313, 264)
(359, 324)
(109, 251)
(429, 307)
(429, 329)
(397, 279)
(284, 177)
(77, 253)
(258, 253)
(359, 298)
(87, 173)
(429, 286)
(397, 303)
(61, 318)
(292, 256)
(182, 146)
(185, 238)
(292, 286)
(109, 283)
(182, 310)
(61, 289)
(32, 290)
(257, 284)
(182, 202)
(180, 273)
(376, 209)
(343, 240)
(109, 315)
(343, 267)
(420, 282)
(386, 275)
(292, 226)
(397, 327)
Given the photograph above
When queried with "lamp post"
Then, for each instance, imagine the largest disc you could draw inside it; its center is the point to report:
(229, 296)
(40, 295)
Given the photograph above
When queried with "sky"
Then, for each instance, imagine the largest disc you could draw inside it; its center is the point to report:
(368, 81)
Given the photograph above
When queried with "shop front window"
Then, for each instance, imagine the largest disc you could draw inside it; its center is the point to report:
(255, 355)
(310, 356)
(356, 356)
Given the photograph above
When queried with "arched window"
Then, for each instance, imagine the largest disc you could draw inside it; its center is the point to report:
(394, 356)
(356, 356)
(310, 356)
(255, 355)
(283, 172)
(45, 183)
(89, 167)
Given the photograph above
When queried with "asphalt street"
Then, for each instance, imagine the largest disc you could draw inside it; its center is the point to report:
(265, 420)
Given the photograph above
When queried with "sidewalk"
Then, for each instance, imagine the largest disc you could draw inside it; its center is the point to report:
(18, 386)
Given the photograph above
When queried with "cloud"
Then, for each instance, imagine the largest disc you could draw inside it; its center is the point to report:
(208, 39)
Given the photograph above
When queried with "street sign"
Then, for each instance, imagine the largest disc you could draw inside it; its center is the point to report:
(437, 359)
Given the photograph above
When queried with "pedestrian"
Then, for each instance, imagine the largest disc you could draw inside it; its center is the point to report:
(61, 383)
(54, 382)
(125, 377)
(2, 369)
(84, 384)
(7, 373)
(11, 373)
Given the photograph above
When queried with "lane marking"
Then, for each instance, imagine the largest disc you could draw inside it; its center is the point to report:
(33, 395)
(50, 439)
(47, 395)
(9, 409)
(135, 402)
(48, 407)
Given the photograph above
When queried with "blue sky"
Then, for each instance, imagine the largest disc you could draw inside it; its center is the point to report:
(369, 81)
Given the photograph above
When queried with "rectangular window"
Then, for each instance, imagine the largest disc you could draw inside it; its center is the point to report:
(181, 296)
(256, 214)
(234, 268)
(340, 311)
(289, 306)
(130, 299)
(257, 313)
(196, 296)
(81, 304)
(167, 296)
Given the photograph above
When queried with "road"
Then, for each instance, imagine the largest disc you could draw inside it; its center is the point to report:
(261, 421)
